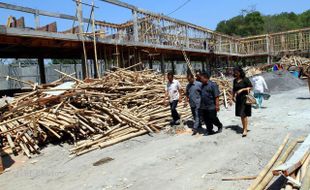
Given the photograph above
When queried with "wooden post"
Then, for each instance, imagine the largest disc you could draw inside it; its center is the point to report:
(96, 65)
(42, 70)
(81, 31)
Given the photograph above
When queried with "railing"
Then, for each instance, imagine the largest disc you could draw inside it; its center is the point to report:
(276, 43)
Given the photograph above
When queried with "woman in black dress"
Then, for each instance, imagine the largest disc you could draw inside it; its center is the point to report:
(242, 87)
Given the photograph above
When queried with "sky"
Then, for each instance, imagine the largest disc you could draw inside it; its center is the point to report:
(206, 13)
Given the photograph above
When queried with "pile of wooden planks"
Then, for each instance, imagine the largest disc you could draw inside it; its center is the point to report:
(296, 169)
(91, 114)
(295, 61)
(292, 63)
(251, 71)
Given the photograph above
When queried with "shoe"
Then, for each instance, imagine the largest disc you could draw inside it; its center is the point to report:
(194, 132)
(172, 122)
(220, 129)
(177, 122)
(244, 135)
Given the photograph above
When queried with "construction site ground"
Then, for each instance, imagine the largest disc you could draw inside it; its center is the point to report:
(165, 161)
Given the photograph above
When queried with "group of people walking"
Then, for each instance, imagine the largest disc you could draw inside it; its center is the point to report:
(202, 95)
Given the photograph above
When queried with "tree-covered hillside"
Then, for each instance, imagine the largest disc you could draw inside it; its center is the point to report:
(254, 23)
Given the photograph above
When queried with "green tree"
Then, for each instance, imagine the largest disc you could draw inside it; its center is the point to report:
(253, 23)
(304, 19)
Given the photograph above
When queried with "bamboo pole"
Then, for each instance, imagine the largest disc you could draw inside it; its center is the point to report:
(267, 168)
(239, 178)
(95, 39)
(305, 184)
(71, 77)
(283, 158)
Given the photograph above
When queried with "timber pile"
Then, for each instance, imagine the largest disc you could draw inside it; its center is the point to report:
(251, 71)
(295, 61)
(296, 169)
(92, 114)
(292, 63)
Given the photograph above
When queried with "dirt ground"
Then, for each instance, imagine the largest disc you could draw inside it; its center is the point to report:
(171, 162)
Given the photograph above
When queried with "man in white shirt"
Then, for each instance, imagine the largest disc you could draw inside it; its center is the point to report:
(173, 95)
(259, 88)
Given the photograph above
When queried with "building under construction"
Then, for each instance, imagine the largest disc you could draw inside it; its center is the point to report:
(146, 37)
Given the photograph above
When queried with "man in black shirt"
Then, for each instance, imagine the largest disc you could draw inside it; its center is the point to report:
(210, 104)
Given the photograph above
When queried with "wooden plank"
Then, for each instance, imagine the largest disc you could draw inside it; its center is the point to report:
(262, 185)
(305, 184)
(267, 168)
(239, 178)
(296, 160)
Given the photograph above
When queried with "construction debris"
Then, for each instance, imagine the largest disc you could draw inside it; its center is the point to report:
(295, 61)
(292, 63)
(294, 169)
(92, 114)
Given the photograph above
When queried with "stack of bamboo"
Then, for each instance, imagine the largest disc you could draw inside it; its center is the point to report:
(251, 71)
(93, 113)
(296, 169)
(295, 61)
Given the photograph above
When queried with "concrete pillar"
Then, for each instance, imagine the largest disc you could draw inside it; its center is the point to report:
(203, 66)
(150, 62)
(173, 67)
(83, 67)
(135, 26)
(162, 62)
(95, 69)
(42, 70)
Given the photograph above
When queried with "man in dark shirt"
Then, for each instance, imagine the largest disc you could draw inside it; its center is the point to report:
(210, 103)
(193, 96)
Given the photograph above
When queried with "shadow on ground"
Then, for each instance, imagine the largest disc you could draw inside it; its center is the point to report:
(303, 98)
(235, 128)
(7, 161)
(278, 183)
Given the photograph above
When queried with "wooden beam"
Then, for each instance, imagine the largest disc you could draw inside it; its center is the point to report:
(81, 30)
(296, 160)
(39, 12)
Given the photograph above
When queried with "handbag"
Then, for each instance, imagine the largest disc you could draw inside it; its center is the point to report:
(266, 96)
(250, 100)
